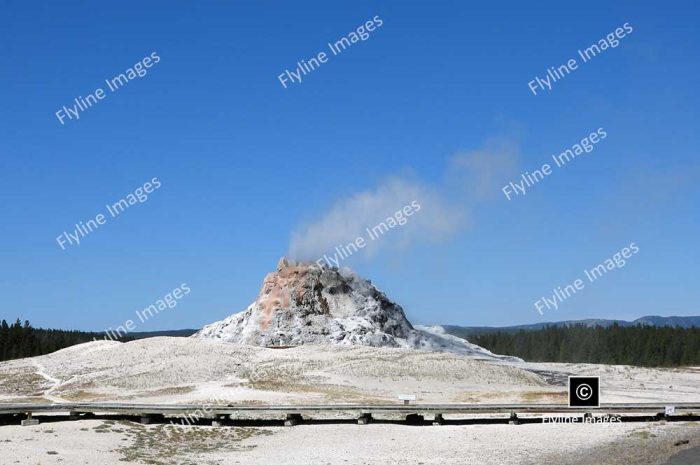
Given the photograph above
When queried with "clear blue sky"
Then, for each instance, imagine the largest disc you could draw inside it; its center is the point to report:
(244, 162)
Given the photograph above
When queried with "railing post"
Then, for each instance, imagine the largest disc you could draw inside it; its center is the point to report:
(30, 421)
(513, 420)
(293, 419)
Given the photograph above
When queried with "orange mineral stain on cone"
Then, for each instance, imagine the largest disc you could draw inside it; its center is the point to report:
(277, 289)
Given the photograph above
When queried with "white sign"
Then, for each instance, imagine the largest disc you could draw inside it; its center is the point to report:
(407, 397)
(670, 410)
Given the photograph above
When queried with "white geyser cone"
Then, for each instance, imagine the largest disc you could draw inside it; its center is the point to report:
(303, 303)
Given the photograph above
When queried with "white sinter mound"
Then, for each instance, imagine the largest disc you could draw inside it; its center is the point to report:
(302, 303)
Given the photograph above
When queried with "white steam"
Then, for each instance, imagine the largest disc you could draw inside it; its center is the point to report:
(443, 209)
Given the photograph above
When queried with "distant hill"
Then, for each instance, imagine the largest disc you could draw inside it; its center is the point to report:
(680, 321)
(651, 320)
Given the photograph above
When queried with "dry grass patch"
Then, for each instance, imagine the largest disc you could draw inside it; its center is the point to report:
(330, 392)
(81, 395)
(175, 445)
(22, 381)
(500, 397)
(544, 397)
(167, 391)
(642, 434)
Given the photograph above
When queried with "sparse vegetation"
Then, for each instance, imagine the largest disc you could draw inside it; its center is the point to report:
(642, 434)
(21, 381)
(331, 393)
(173, 445)
(168, 391)
(534, 397)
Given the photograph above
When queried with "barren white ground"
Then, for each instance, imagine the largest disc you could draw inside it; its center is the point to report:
(99, 442)
(186, 370)
(182, 370)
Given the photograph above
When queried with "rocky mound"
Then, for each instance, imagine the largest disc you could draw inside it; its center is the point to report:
(303, 303)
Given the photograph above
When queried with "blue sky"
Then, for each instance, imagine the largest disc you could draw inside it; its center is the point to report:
(244, 162)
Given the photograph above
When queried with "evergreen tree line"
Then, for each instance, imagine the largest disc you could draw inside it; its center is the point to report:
(19, 340)
(625, 345)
